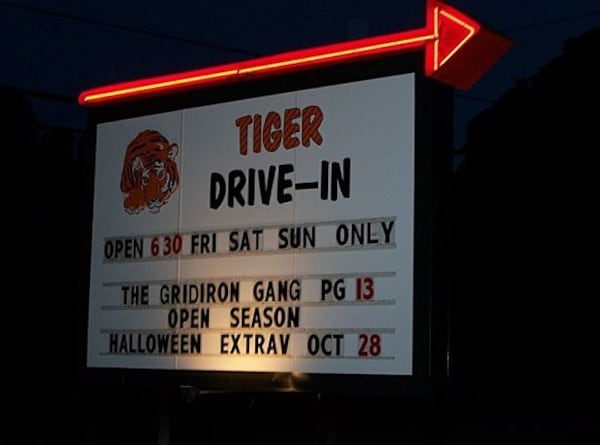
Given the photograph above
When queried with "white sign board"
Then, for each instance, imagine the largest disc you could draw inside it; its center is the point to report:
(270, 234)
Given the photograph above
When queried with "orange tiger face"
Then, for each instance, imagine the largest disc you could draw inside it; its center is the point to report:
(149, 176)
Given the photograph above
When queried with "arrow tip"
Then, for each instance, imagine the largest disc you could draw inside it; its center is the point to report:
(461, 50)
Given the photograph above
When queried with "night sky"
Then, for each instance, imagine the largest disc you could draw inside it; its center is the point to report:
(64, 47)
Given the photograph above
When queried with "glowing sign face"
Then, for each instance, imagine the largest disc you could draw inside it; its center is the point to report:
(270, 234)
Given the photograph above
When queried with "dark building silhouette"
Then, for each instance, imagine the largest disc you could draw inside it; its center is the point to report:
(525, 242)
(41, 303)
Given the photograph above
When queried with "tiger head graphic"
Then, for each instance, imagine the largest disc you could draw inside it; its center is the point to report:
(150, 175)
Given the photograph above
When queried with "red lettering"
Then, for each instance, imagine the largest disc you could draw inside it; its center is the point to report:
(312, 117)
(242, 123)
(290, 128)
(271, 134)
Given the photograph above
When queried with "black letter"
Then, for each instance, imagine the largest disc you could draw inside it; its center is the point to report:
(217, 190)
(284, 183)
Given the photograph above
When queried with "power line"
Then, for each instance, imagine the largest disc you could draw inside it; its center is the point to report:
(127, 28)
(155, 34)
(549, 22)
(57, 97)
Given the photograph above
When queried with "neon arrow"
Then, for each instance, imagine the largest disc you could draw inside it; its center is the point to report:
(458, 51)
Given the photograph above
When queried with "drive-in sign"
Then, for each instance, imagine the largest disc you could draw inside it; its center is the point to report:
(280, 215)
(267, 234)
